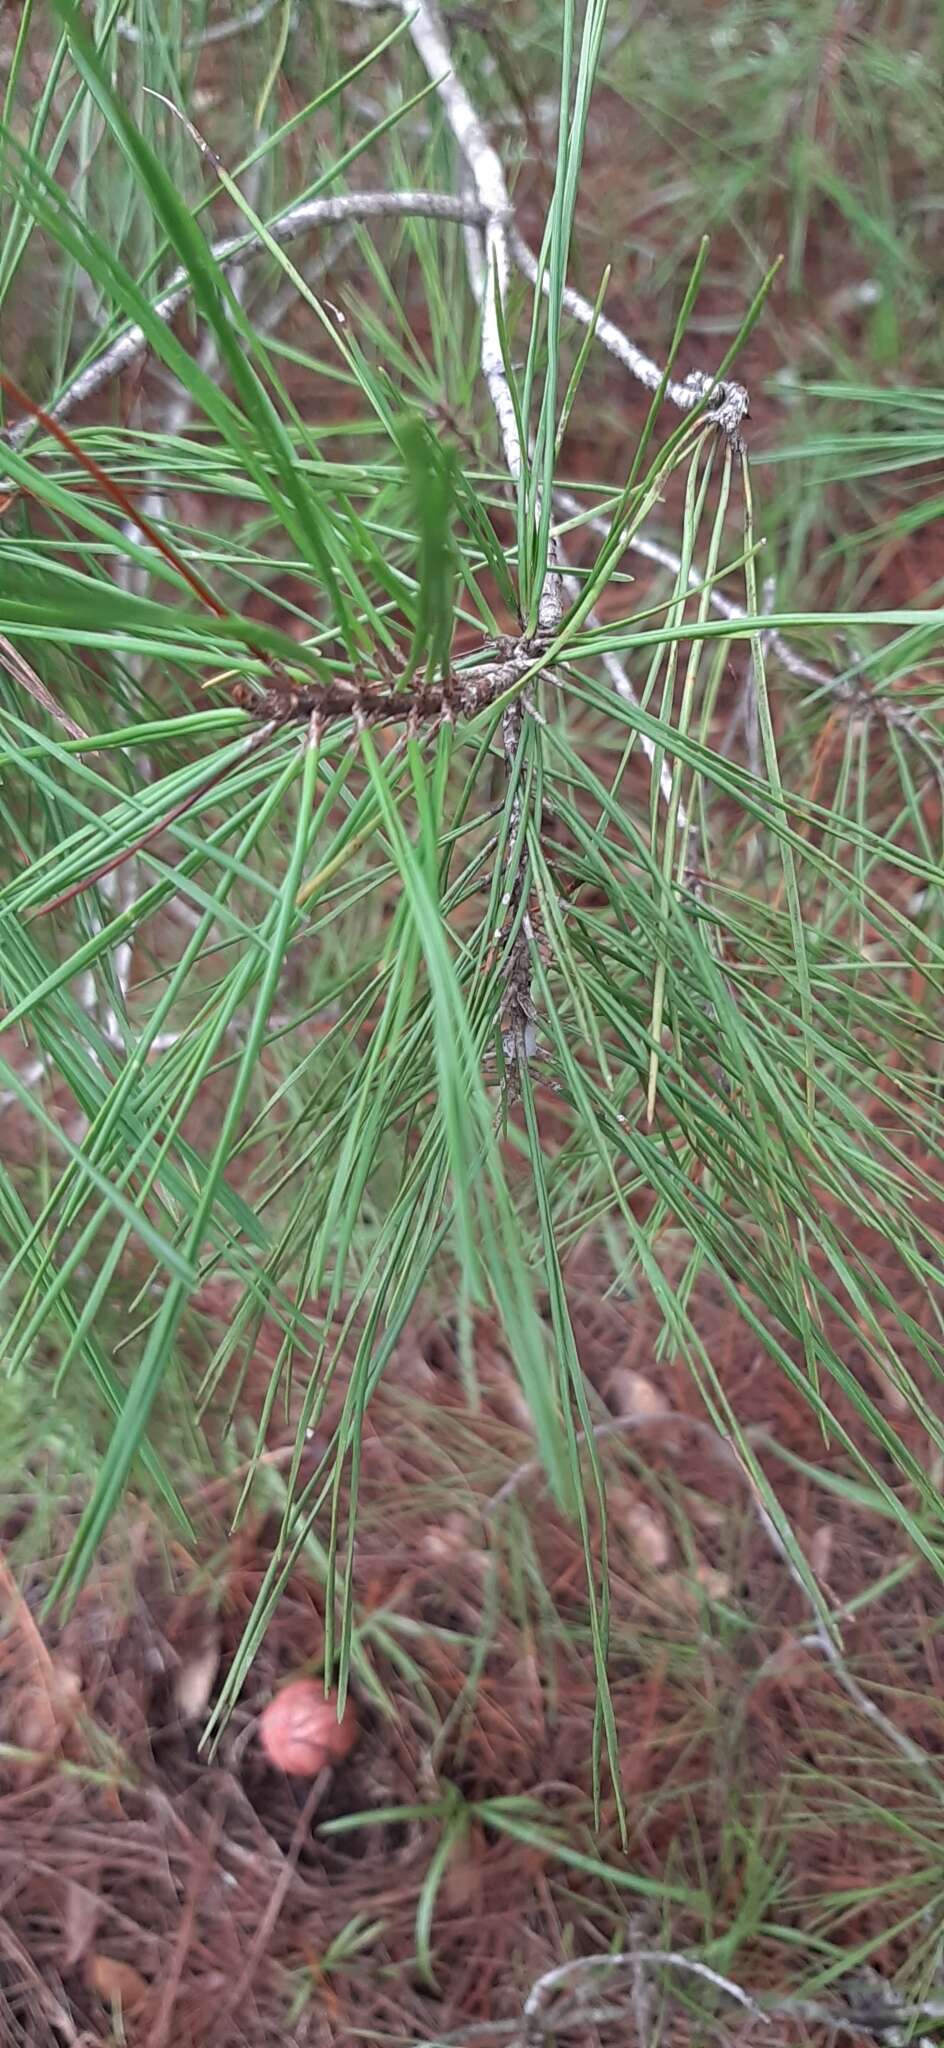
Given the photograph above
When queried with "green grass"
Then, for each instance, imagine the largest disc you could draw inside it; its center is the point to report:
(290, 1024)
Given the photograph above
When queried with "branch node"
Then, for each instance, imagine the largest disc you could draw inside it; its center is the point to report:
(729, 405)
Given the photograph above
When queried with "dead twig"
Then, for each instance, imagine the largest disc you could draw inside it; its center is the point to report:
(287, 227)
(541, 2020)
(727, 403)
(218, 31)
(796, 665)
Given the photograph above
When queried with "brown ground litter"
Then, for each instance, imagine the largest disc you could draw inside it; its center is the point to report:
(203, 1895)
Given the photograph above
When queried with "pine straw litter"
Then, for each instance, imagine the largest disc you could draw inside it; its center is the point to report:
(152, 1892)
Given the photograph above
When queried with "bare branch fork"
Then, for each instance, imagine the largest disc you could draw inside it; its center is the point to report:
(471, 213)
(287, 227)
(492, 242)
(489, 209)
